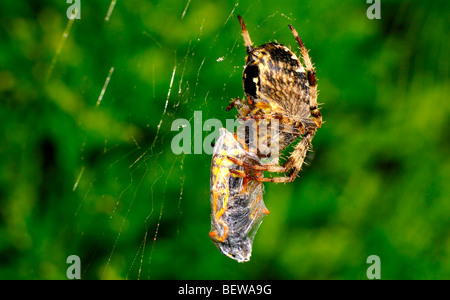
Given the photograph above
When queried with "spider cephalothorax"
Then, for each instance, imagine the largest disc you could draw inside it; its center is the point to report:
(279, 87)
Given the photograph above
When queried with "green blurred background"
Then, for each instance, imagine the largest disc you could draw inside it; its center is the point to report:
(101, 181)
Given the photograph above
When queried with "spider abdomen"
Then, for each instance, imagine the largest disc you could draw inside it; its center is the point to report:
(274, 75)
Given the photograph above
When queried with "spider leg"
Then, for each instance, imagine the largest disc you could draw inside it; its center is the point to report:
(297, 157)
(313, 106)
(294, 163)
(243, 108)
(273, 116)
(232, 104)
(273, 168)
(267, 167)
(263, 179)
(297, 127)
(248, 42)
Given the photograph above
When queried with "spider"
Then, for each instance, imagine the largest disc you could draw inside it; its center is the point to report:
(237, 206)
(278, 87)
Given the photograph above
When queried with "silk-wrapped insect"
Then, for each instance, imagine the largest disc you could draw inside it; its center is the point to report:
(237, 206)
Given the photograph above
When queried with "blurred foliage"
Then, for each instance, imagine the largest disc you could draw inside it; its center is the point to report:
(102, 182)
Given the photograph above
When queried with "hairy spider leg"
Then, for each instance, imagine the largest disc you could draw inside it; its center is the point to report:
(248, 42)
(294, 163)
(275, 116)
(313, 106)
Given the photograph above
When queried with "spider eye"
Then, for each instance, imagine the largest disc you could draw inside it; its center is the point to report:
(251, 80)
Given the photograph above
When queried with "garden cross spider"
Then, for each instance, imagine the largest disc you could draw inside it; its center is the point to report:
(277, 86)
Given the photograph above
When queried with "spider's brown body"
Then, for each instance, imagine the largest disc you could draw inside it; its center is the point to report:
(278, 86)
(273, 76)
